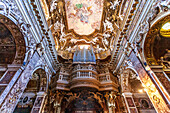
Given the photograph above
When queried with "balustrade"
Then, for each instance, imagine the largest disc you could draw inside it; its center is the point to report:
(83, 75)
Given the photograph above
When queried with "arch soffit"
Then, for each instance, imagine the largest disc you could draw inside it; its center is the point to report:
(125, 81)
(42, 67)
(131, 68)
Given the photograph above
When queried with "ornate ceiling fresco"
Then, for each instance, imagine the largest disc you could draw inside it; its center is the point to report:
(76, 23)
(84, 17)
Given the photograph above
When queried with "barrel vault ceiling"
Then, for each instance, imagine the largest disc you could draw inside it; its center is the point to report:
(90, 23)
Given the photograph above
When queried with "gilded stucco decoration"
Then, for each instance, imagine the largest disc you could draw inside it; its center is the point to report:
(11, 17)
(45, 8)
(154, 38)
(151, 89)
(157, 8)
(84, 17)
(76, 22)
(165, 30)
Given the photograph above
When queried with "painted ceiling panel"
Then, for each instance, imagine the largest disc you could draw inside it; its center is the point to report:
(84, 16)
(81, 23)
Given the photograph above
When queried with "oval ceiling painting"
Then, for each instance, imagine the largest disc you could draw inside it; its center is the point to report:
(84, 16)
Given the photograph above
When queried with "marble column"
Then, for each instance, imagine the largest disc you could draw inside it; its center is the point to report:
(152, 86)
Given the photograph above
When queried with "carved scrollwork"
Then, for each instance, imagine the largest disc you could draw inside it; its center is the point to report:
(165, 60)
(152, 35)
(161, 5)
(19, 29)
(67, 39)
(157, 7)
(85, 95)
(143, 29)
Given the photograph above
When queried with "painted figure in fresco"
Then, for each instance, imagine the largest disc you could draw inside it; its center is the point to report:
(82, 12)
(84, 16)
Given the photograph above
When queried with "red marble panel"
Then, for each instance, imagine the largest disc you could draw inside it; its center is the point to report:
(2, 88)
(38, 101)
(35, 110)
(141, 104)
(130, 102)
(133, 110)
(7, 78)
(1, 73)
(165, 82)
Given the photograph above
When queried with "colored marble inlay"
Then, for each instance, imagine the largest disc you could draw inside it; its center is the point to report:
(130, 102)
(156, 98)
(84, 16)
(133, 110)
(35, 110)
(7, 78)
(1, 73)
(38, 101)
(2, 88)
(165, 82)
(7, 45)
(143, 103)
